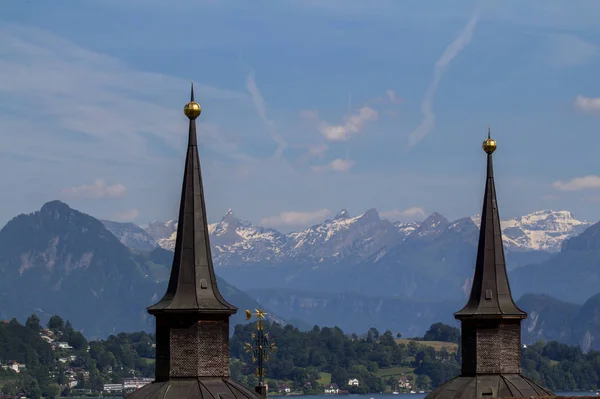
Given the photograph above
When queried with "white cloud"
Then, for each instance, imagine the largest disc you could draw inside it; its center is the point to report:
(127, 216)
(86, 102)
(98, 189)
(578, 183)
(337, 165)
(391, 95)
(428, 122)
(295, 218)
(353, 123)
(410, 212)
(588, 104)
(261, 109)
(318, 150)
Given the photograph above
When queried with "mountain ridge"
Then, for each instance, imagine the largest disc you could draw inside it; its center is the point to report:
(543, 230)
(59, 260)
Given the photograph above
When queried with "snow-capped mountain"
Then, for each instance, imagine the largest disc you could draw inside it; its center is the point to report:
(235, 241)
(131, 235)
(542, 230)
(161, 230)
(354, 238)
(344, 237)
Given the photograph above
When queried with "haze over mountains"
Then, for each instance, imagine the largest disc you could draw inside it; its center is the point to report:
(354, 272)
(60, 261)
(542, 230)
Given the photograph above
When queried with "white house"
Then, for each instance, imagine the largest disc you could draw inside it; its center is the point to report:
(46, 338)
(113, 388)
(136, 383)
(331, 389)
(14, 366)
(403, 383)
(284, 389)
(64, 345)
(353, 382)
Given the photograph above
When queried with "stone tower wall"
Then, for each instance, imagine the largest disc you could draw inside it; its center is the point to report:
(491, 347)
(192, 347)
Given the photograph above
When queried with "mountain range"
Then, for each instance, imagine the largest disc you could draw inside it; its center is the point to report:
(354, 272)
(538, 231)
(365, 270)
(353, 254)
(60, 261)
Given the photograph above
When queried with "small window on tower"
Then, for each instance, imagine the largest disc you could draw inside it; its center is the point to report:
(203, 284)
(488, 294)
(487, 392)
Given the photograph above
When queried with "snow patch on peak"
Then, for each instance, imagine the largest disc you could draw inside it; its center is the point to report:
(353, 239)
(541, 230)
(406, 228)
(434, 225)
(343, 214)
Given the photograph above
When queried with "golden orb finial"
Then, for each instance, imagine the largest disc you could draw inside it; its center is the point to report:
(489, 145)
(192, 109)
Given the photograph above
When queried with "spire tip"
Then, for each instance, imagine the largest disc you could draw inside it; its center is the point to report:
(192, 109)
(489, 145)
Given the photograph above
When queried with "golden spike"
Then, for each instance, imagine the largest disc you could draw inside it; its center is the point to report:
(253, 335)
(260, 313)
(248, 314)
(266, 335)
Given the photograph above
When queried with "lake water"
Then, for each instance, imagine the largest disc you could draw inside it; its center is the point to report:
(390, 396)
(421, 395)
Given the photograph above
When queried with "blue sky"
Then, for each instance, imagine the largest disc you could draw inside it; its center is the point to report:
(308, 107)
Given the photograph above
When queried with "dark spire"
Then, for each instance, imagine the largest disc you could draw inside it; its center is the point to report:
(192, 319)
(490, 321)
(490, 293)
(192, 285)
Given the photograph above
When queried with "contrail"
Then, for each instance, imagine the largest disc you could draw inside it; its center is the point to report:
(428, 122)
(261, 109)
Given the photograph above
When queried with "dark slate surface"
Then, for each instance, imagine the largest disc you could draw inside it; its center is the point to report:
(193, 284)
(490, 292)
(490, 386)
(209, 388)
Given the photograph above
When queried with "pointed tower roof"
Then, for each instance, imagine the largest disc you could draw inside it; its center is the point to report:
(193, 284)
(490, 292)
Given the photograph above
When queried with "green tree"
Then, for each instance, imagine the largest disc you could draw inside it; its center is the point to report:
(53, 390)
(9, 389)
(33, 323)
(56, 323)
(34, 391)
(442, 332)
(423, 381)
